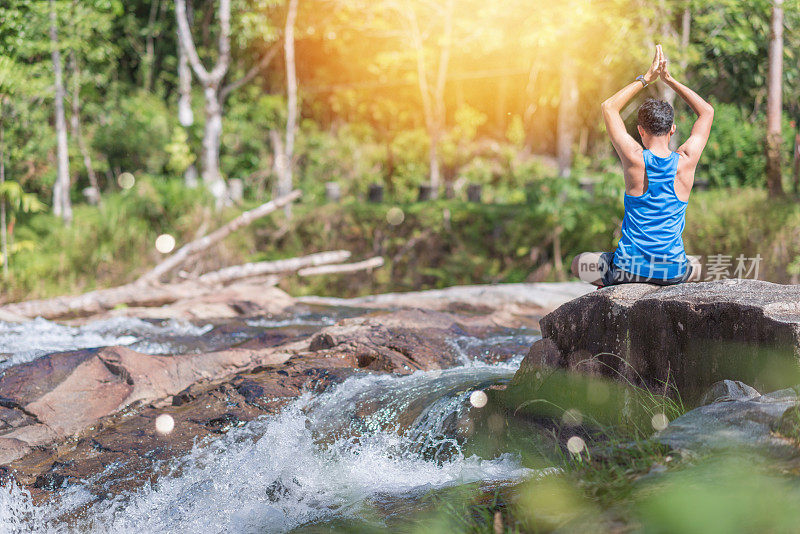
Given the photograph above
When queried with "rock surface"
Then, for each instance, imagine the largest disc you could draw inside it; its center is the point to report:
(728, 390)
(69, 415)
(689, 335)
(243, 298)
(509, 304)
(60, 395)
(744, 424)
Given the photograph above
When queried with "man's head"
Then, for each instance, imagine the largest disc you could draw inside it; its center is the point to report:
(655, 119)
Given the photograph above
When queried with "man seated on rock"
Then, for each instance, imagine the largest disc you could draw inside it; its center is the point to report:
(658, 182)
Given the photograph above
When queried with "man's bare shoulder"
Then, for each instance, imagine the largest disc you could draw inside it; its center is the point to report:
(686, 160)
(634, 157)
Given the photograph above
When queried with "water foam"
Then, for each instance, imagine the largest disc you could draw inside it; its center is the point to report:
(24, 342)
(323, 456)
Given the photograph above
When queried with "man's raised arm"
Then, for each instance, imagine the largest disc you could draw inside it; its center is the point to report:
(701, 129)
(626, 146)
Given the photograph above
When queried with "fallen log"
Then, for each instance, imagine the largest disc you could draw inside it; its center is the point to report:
(248, 270)
(371, 263)
(105, 299)
(199, 245)
(136, 295)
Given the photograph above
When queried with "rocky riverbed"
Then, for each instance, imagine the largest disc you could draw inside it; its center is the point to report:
(250, 409)
(68, 416)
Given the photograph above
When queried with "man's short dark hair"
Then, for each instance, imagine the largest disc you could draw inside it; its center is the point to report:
(656, 116)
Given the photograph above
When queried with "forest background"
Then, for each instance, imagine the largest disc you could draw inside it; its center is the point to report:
(460, 140)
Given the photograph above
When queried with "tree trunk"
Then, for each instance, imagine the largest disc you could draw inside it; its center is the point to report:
(61, 201)
(434, 165)
(567, 111)
(291, 100)
(775, 101)
(250, 270)
(75, 121)
(686, 28)
(796, 163)
(212, 133)
(531, 106)
(3, 227)
(280, 165)
(199, 245)
(558, 266)
(433, 103)
(666, 91)
(440, 110)
(150, 47)
(372, 263)
(137, 295)
(185, 112)
(210, 80)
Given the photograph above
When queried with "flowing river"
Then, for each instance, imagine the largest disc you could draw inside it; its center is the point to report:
(371, 443)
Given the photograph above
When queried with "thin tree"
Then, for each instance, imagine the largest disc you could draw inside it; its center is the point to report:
(775, 101)
(433, 103)
(148, 62)
(77, 131)
(211, 81)
(3, 227)
(213, 90)
(284, 149)
(682, 39)
(185, 112)
(796, 156)
(61, 201)
(567, 115)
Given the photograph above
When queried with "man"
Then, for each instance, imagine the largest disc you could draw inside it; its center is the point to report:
(658, 182)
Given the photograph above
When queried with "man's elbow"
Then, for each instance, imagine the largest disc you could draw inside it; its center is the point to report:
(707, 111)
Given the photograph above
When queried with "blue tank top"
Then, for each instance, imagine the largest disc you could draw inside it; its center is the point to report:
(651, 244)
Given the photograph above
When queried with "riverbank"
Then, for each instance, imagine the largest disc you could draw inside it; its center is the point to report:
(428, 245)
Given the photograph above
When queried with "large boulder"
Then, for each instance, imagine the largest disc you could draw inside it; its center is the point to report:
(688, 336)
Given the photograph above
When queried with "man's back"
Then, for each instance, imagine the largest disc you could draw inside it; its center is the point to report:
(658, 183)
(651, 243)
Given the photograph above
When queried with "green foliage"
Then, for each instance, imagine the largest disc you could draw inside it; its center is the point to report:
(19, 200)
(735, 154)
(180, 156)
(516, 131)
(105, 246)
(135, 133)
(728, 50)
(348, 155)
(788, 425)
(733, 222)
(728, 493)
(362, 123)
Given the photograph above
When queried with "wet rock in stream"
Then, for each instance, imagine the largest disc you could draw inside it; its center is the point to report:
(766, 424)
(94, 410)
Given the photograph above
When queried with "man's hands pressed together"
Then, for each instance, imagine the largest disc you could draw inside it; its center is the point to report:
(658, 67)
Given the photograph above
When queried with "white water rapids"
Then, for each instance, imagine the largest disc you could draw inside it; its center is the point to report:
(24, 342)
(322, 457)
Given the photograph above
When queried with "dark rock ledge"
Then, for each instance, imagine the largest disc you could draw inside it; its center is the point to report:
(690, 335)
